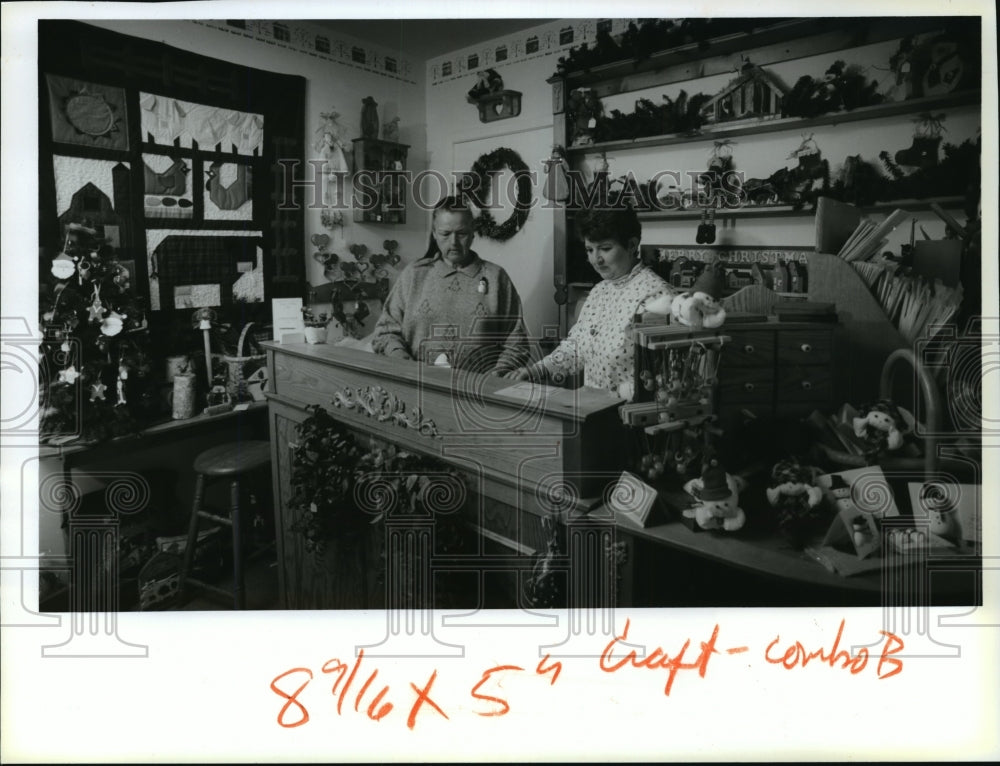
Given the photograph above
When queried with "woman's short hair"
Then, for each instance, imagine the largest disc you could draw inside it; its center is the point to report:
(450, 204)
(619, 223)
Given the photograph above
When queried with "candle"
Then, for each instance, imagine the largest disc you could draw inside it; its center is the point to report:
(183, 395)
(205, 326)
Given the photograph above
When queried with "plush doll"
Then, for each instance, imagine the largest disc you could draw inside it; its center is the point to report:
(695, 487)
(701, 307)
(795, 499)
(718, 505)
(881, 427)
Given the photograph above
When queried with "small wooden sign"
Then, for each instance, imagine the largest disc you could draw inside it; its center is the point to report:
(632, 499)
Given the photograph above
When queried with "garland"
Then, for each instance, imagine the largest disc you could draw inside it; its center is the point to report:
(482, 176)
(342, 486)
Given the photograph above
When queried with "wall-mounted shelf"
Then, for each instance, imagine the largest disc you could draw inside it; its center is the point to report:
(779, 211)
(758, 126)
(500, 105)
(780, 41)
(379, 192)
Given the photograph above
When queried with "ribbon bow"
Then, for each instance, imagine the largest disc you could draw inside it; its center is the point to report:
(930, 125)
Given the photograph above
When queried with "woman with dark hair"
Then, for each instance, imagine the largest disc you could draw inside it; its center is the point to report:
(599, 342)
(451, 306)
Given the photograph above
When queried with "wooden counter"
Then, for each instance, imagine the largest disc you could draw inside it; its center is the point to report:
(522, 460)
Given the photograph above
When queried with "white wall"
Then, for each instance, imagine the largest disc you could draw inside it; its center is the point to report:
(330, 86)
(456, 137)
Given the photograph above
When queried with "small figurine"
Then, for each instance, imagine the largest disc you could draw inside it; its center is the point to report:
(369, 118)
(696, 487)
(718, 506)
(941, 511)
(390, 130)
(795, 499)
(861, 534)
(701, 307)
(881, 426)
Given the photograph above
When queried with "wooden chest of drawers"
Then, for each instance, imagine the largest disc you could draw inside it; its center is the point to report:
(776, 369)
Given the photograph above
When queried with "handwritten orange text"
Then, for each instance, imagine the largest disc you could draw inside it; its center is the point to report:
(291, 687)
(660, 660)
(796, 655)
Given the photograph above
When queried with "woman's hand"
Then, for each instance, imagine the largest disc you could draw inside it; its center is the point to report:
(536, 373)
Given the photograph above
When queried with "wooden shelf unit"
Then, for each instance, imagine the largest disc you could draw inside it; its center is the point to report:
(784, 40)
(787, 211)
(771, 43)
(737, 128)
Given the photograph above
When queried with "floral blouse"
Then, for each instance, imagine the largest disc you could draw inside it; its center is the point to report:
(599, 342)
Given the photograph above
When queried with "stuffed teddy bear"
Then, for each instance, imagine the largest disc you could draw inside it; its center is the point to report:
(701, 307)
(718, 505)
(795, 499)
(881, 427)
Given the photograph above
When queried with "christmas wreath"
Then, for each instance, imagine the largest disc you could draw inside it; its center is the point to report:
(479, 181)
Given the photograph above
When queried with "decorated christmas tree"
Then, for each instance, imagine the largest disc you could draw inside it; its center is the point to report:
(95, 367)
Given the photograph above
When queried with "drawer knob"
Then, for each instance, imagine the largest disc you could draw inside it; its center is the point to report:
(806, 385)
(748, 348)
(806, 348)
(748, 386)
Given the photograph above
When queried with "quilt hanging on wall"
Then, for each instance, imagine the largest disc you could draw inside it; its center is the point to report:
(170, 121)
(87, 113)
(194, 269)
(166, 186)
(96, 191)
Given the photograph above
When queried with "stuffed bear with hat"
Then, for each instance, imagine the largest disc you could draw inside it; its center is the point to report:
(795, 499)
(696, 486)
(718, 500)
(701, 307)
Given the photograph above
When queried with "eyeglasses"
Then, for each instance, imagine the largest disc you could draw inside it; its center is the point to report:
(460, 234)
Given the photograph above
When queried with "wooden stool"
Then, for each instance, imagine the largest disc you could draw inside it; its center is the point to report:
(230, 461)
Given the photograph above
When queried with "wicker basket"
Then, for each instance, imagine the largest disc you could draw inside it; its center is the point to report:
(241, 367)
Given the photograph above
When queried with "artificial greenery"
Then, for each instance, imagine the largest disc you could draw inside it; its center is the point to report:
(339, 486)
(648, 36)
(680, 115)
(477, 183)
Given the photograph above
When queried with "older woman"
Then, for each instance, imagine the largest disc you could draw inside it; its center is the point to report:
(453, 307)
(599, 342)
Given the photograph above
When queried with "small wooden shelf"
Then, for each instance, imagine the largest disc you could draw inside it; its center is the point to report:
(787, 211)
(379, 191)
(760, 126)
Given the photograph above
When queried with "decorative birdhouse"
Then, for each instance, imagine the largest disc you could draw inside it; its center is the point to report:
(755, 93)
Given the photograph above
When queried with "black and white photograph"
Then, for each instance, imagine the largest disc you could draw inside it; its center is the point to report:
(392, 377)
